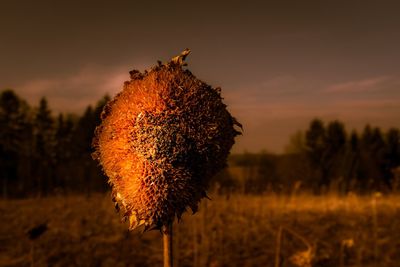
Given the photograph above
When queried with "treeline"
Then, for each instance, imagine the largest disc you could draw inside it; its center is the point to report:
(43, 153)
(324, 157)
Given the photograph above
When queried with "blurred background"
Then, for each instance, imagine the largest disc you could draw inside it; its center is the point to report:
(313, 180)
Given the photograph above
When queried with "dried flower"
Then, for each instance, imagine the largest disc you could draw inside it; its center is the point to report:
(160, 141)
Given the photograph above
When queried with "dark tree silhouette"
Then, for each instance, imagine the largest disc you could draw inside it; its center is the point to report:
(391, 155)
(14, 139)
(44, 144)
(335, 148)
(63, 151)
(351, 162)
(42, 154)
(315, 151)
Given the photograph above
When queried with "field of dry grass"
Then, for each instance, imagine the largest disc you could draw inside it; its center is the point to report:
(238, 231)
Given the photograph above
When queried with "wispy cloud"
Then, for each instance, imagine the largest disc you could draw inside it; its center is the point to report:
(74, 92)
(365, 85)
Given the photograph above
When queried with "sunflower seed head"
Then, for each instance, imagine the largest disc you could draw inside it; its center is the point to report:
(161, 140)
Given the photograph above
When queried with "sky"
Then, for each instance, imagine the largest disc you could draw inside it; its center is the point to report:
(280, 63)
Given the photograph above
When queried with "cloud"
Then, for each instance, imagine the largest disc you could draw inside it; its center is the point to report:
(365, 85)
(72, 93)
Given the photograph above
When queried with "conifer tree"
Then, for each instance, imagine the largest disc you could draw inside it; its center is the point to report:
(315, 150)
(15, 141)
(44, 147)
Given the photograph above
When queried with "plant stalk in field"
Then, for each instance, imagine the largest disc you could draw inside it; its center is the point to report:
(167, 240)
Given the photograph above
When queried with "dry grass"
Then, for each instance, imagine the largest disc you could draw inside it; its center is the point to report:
(239, 231)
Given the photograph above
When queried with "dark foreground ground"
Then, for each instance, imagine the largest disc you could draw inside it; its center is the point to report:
(236, 231)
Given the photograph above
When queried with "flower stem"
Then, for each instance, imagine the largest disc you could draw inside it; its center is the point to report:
(167, 240)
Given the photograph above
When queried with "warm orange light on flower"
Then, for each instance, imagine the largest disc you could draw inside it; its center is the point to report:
(160, 141)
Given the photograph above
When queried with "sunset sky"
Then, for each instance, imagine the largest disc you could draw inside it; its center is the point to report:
(279, 63)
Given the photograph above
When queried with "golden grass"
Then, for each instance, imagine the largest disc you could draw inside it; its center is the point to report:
(239, 231)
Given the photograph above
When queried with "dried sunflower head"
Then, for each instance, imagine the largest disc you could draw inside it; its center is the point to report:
(160, 141)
